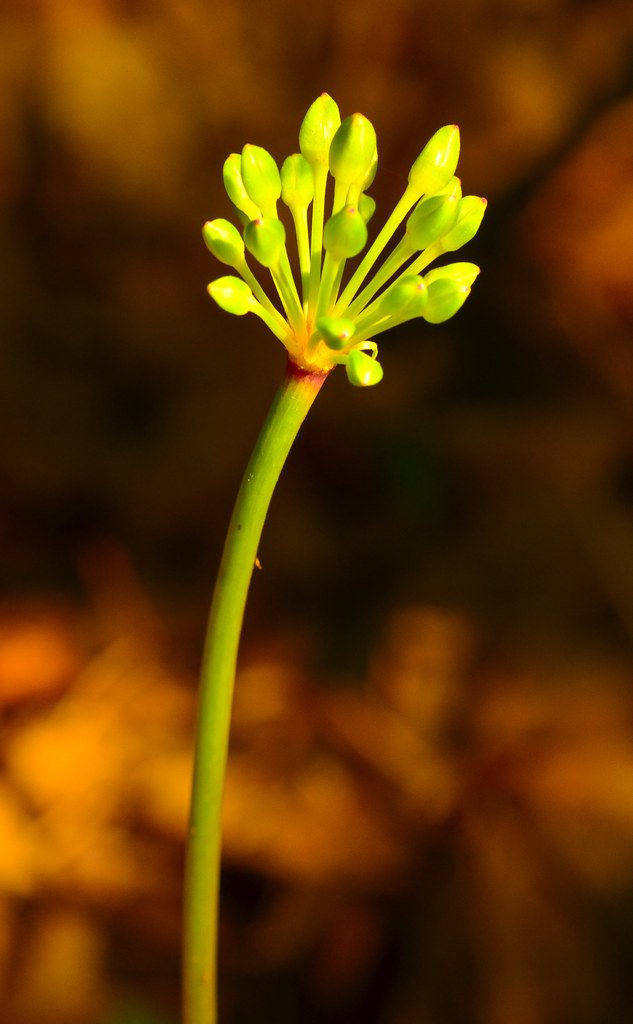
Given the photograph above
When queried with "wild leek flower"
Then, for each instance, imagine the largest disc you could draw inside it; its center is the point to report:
(325, 318)
(322, 322)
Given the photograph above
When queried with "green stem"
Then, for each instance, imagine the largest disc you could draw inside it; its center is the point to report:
(394, 261)
(372, 311)
(328, 285)
(300, 218)
(245, 272)
(202, 881)
(316, 235)
(395, 218)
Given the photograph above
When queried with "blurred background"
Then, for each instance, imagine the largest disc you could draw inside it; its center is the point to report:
(429, 812)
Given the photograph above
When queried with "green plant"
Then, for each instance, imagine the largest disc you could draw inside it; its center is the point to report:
(323, 324)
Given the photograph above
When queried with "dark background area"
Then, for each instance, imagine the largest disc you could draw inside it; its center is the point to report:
(430, 801)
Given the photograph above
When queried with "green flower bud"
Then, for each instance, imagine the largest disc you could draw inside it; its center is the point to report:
(436, 164)
(297, 181)
(438, 219)
(469, 216)
(444, 298)
(368, 179)
(362, 370)
(453, 188)
(224, 240)
(318, 129)
(355, 191)
(459, 273)
(431, 219)
(406, 296)
(335, 331)
(366, 207)
(345, 234)
(231, 294)
(232, 175)
(265, 239)
(353, 151)
(260, 175)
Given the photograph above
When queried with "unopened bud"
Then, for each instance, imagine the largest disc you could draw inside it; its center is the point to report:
(353, 151)
(459, 273)
(335, 331)
(366, 207)
(318, 129)
(232, 175)
(297, 182)
(469, 216)
(431, 219)
(406, 296)
(362, 370)
(231, 294)
(260, 175)
(444, 298)
(265, 239)
(345, 234)
(367, 180)
(452, 188)
(224, 240)
(436, 164)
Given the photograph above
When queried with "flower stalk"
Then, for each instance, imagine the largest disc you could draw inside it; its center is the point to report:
(321, 327)
(287, 413)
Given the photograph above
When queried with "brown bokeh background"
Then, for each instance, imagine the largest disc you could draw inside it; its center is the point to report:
(429, 813)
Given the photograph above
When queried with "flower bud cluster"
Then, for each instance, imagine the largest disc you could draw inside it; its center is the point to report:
(324, 317)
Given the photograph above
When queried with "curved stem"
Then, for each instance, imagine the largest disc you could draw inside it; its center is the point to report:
(202, 879)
